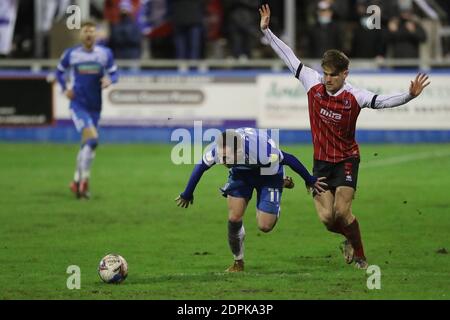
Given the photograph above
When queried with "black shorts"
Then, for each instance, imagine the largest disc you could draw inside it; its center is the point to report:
(344, 173)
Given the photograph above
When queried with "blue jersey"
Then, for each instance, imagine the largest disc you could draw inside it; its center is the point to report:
(87, 69)
(259, 150)
(259, 165)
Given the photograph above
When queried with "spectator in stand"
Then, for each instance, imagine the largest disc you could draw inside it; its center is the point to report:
(366, 42)
(24, 32)
(341, 9)
(405, 35)
(214, 19)
(157, 27)
(187, 18)
(326, 33)
(112, 9)
(125, 40)
(215, 46)
(241, 22)
(388, 8)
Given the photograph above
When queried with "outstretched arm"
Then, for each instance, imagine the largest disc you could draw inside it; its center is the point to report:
(295, 164)
(187, 196)
(390, 101)
(307, 76)
(281, 49)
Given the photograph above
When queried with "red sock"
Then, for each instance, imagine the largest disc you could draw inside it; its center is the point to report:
(353, 235)
(336, 227)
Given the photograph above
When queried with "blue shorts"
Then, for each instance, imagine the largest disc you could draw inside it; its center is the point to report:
(83, 118)
(268, 188)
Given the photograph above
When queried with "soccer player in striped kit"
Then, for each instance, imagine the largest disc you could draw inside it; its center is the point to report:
(93, 69)
(334, 106)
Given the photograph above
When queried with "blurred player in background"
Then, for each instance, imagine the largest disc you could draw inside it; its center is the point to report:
(242, 150)
(93, 69)
(334, 106)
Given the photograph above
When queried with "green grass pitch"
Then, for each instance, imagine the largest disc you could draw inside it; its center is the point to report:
(403, 205)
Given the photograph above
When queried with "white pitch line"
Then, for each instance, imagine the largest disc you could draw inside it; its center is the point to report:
(405, 158)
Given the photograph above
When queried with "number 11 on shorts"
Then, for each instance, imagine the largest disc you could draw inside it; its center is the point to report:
(274, 195)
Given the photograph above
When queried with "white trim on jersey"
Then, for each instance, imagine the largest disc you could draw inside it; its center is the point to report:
(209, 157)
(112, 69)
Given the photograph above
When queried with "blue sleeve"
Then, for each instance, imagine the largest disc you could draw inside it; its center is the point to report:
(60, 76)
(111, 68)
(298, 167)
(197, 173)
(114, 76)
(63, 65)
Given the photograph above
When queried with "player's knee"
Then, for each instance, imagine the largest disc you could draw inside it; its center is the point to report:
(326, 217)
(266, 221)
(330, 224)
(341, 209)
(89, 132)
(265, 227)
(232, 217)
(93, 143)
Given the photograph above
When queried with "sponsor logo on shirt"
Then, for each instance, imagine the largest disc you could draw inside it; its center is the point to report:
(330, 114)
(89, 69)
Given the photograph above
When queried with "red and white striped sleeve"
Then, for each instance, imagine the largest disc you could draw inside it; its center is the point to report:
(307, 76)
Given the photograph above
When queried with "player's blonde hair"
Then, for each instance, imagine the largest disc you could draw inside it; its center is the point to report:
(89, 24)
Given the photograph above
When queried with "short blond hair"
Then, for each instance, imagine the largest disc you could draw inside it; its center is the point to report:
(88, 23)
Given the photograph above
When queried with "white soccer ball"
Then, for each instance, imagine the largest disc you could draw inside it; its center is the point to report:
(113, 268)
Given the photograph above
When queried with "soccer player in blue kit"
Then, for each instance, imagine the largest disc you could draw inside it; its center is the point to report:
(93, 69)
(255, 162)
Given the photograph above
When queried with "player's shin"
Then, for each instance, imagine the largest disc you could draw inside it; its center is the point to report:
(75, 184)
(236, 235)
(353, 235)
(77, 174)
(86, 158)
(334, 226)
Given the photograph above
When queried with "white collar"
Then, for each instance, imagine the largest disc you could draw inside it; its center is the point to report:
(337, 92)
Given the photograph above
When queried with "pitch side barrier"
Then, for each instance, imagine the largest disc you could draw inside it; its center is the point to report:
(148, 106)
